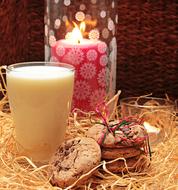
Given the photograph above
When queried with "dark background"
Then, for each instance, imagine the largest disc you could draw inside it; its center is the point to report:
(146, 39)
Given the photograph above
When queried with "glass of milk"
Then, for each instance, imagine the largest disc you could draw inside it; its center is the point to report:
(40, 95)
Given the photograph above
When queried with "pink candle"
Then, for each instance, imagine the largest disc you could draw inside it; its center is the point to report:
(89, 59)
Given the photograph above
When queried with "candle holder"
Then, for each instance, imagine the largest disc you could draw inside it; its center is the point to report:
(83, 34)
(157, 114)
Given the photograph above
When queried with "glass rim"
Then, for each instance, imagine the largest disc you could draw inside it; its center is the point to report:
(12, 67)
(124, 101)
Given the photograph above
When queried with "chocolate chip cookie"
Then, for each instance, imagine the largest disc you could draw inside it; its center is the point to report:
(136, 163)
(114, 153)
(124, 133)
(72, 159)
(95, 132)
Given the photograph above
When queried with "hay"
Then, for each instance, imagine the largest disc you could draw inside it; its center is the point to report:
(19, 172)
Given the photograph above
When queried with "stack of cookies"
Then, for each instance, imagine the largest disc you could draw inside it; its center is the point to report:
(123, 144)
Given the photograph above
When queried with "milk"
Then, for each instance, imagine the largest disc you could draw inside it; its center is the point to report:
(40, 98)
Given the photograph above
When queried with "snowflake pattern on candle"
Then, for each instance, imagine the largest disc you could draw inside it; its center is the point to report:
(97, 97)
(88, 70)
(54, 59)
(103, 60)
(102, 78)
(91, 55)
(82, 90)
(75, 56)
(60, 50)
(102, 47)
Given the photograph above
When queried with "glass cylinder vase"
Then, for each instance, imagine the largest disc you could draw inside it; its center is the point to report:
(83, 33)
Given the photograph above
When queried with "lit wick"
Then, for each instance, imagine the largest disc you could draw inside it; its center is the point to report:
(76, 35)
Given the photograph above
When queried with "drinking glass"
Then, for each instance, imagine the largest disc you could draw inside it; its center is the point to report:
(40, 95)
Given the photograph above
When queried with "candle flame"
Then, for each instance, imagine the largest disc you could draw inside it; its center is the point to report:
(76, 35)
(82, 26)
(150, 128)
